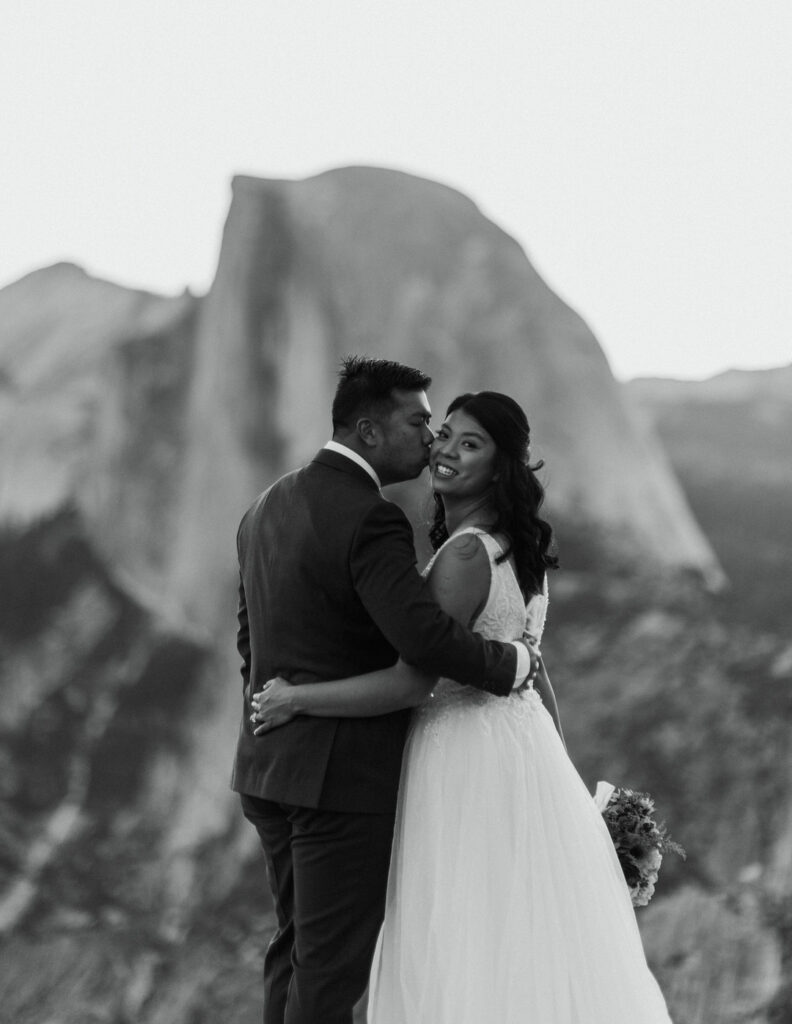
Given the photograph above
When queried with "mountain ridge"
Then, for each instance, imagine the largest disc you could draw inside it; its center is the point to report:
(727, 439)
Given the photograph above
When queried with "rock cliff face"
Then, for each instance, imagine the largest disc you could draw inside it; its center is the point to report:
(93, 384)
(728, 440)
(134, 431)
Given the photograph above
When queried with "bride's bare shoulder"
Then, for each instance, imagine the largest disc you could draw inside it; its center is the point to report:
(460, 576)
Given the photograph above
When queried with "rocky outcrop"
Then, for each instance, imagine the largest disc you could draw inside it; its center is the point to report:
(93, 384)
(727, 439)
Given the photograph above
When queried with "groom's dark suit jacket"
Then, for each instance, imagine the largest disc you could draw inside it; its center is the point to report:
(329, 588)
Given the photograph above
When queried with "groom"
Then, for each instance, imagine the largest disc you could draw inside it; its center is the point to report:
(329, 588)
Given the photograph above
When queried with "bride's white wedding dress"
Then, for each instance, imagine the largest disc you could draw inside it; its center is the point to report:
(506, 901)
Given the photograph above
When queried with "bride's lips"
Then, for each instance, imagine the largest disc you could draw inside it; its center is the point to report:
(443, 471)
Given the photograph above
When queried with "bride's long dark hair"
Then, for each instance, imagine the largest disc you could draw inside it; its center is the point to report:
(517, 494)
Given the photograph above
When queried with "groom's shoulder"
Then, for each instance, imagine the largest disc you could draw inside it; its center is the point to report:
(341, 492)
(281, 486)
(348, 495)
(279, 494)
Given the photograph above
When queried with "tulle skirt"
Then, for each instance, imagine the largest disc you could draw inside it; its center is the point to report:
(506, 901)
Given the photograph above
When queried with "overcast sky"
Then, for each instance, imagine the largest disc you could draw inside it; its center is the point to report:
(639, 150)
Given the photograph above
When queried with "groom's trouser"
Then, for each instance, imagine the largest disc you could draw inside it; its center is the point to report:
(328, 872)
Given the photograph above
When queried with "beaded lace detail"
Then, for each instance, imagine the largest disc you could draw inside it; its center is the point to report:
(504, 617)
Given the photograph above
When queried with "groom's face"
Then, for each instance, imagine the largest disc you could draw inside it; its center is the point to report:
(405, 438)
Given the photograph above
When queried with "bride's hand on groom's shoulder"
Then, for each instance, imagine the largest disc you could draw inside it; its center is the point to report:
(272, 705)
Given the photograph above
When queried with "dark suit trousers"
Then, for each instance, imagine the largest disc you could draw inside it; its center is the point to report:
(328, 873)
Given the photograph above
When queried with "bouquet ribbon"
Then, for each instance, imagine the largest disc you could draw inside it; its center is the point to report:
(603, 794)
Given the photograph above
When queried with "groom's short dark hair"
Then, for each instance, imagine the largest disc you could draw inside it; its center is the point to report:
(366, 386)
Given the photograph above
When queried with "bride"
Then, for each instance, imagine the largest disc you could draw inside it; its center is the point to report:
(506, 901)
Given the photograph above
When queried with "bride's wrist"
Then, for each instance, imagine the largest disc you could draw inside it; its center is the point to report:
(293, 701)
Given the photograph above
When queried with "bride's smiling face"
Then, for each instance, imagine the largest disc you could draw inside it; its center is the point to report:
(463, 458)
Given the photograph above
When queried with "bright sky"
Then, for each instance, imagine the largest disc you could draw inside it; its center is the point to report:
(639, 150)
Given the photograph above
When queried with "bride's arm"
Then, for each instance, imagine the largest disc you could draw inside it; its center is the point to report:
(459, 582)
(364, 696)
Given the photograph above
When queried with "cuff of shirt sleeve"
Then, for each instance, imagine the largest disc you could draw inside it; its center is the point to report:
(523, 664)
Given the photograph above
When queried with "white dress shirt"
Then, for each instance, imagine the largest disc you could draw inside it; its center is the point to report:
(341, 449)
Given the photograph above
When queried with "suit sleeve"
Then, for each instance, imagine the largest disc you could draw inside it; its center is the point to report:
(387, 581)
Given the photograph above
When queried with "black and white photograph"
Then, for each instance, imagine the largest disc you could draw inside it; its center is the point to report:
(396, 512)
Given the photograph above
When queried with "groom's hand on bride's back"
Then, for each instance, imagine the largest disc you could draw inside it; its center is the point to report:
(272, 705)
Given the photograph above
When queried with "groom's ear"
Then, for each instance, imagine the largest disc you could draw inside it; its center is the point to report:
(368, 431)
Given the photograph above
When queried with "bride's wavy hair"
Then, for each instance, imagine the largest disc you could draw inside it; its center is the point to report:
(517, 494)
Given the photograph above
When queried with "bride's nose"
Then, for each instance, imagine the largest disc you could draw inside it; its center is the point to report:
(445, 448)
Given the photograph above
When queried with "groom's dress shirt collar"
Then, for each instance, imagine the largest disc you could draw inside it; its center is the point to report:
(341, 449)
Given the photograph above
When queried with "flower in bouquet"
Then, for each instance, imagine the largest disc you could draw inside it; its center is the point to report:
(639, 841)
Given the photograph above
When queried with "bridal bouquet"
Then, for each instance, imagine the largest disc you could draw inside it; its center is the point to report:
(640, 842)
